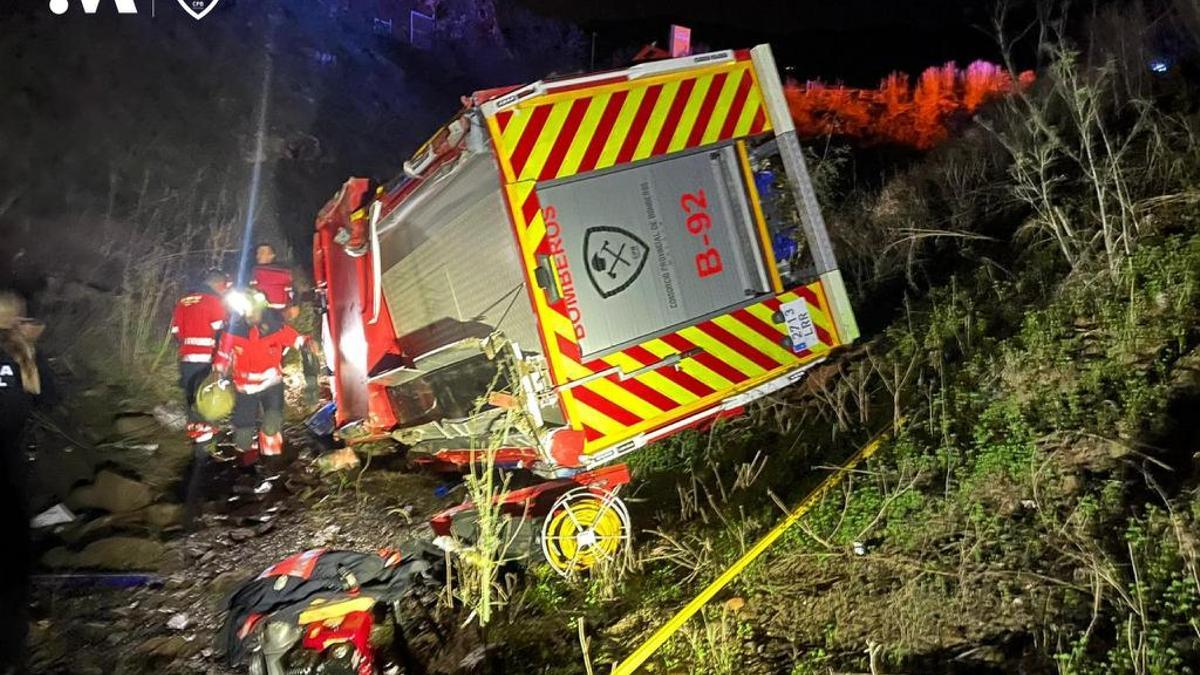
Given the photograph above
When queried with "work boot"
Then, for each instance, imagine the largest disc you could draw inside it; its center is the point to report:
(249, 458)
(193, 498)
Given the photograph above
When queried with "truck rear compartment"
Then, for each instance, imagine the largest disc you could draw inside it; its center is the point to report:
(625, 240)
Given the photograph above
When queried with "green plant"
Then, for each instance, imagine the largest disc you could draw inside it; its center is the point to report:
(481, 558)
(1153, 628)
(676, 454)
(545, 590)
(711, 643)
(812, 662)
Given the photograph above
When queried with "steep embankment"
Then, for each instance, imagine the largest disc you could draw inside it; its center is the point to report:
(1038, 510)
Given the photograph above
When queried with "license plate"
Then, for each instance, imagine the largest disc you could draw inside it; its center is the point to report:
(799, 324)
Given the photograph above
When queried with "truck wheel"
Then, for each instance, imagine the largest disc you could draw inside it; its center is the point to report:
(584, 528)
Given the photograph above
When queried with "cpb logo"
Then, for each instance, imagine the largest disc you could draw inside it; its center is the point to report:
(198, 8)
(61, 7)
(615, 258)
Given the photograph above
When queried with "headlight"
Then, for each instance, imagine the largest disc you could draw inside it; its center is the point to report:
(237, 302)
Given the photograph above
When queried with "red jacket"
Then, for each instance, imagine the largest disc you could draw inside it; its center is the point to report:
(252, 355)
(275, 283)
(197, 319)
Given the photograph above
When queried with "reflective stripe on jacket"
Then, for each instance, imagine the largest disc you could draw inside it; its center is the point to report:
(253, 355)
(197, 319)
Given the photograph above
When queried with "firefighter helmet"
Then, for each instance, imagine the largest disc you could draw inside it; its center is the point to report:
(214, 399)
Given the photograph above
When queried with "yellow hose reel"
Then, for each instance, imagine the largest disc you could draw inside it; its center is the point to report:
(585, 527)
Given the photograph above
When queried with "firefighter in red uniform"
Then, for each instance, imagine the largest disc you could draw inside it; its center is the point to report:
(196, 323)
(273, 281)
(198, 319)
(251, 355)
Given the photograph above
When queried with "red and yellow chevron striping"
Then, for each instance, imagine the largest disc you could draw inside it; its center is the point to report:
(580, 130)
(732, 351)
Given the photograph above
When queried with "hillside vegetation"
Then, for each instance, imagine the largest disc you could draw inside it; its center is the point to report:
(1036, 354)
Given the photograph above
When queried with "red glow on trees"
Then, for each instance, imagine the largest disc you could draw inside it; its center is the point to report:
(920, 116)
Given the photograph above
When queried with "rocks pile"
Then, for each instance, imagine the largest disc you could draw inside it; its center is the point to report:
(119, 493)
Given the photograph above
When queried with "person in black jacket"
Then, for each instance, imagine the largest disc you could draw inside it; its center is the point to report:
(24, 382)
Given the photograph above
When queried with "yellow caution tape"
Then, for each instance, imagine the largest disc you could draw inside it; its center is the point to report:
(639, 656)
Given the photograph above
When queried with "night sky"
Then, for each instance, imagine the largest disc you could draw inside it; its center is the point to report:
(855, 41)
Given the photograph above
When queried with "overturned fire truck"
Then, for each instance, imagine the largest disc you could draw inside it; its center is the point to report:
(574, 268)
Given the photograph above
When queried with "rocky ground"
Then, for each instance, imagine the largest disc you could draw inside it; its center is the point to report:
(124, 589)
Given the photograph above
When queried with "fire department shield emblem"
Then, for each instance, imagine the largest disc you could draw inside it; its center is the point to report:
(615, 259)
(198, 8)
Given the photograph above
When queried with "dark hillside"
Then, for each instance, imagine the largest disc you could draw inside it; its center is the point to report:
(106, 114)
(130, 143)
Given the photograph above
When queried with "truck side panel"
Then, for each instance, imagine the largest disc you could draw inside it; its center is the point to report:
(450, 263)
(729, 353)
